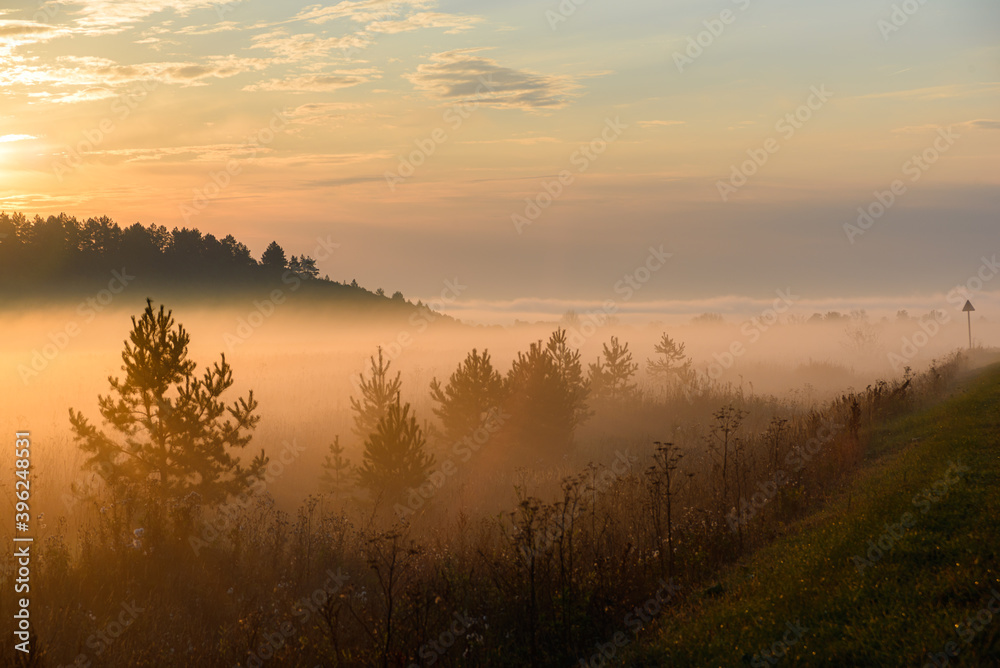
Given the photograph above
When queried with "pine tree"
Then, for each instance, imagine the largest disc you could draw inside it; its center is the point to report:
(395, 457)
(307, 267)
(472, 391)
(609, 378)
(377, 395)
(571, 372)
(173, 430)
(337, 478)
(274, 257)
(674, 367)
(546, 396)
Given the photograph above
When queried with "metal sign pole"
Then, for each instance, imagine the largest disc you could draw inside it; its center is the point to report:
(969, 308)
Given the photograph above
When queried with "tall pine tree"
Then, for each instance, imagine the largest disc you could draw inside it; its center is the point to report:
(474, 389)
(610, 377)
(170, 428)
(378, 393)
(395, 457)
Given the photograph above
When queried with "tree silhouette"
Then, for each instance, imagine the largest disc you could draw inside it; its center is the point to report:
(395, 457)
(377, 394)
(571, 372)
(546, 396)
(274, 257)
(674, 365)
(307, 267)
(173, 429)
(238, 252)
(337, 478)
(43, 253)
(610, 377)
(472, 391)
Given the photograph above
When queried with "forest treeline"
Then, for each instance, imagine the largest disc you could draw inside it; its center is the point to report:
(62, 251)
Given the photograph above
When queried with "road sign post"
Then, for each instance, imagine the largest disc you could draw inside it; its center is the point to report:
(969, 308)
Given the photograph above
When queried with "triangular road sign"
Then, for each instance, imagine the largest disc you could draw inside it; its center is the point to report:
(968, 306)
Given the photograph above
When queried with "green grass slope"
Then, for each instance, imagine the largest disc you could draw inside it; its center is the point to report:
(899, 570)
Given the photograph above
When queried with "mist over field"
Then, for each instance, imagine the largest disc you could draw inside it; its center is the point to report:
(412, 333)
(303, 361)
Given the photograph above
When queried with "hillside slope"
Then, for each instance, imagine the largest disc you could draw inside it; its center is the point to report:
(902, 569)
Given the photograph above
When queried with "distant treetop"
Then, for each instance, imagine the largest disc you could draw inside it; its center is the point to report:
(61, 249)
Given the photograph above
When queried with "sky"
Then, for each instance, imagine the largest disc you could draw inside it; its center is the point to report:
(657, 157)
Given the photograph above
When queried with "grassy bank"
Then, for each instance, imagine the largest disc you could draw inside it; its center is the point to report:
(901, 569)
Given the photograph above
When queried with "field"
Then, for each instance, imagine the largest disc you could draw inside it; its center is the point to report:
(519, 544)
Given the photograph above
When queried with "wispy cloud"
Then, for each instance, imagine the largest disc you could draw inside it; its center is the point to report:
(110, 16)
(307, 46)
(318, 83)
(15, 33)
(524, 141)
(195, 153)
(463, 75)
(9, 138)
(97, 78)
(983, 124)
(82, 95)
(936, 92)
(210, 29)
(978, 124)
(657, 124)
(361, 11)
(328, 114)
(453, 22)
